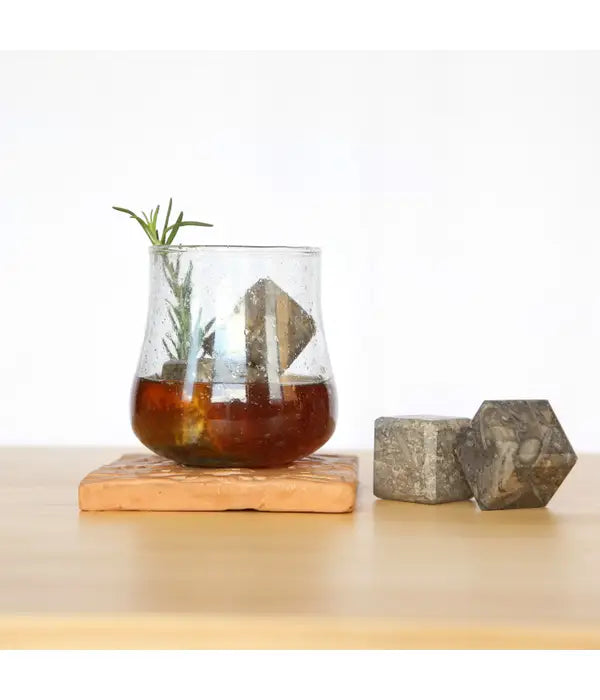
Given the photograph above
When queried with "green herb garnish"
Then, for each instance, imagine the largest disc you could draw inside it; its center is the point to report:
(185, 337)
(149, 224)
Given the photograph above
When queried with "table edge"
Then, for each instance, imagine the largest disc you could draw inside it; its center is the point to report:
(146, 631)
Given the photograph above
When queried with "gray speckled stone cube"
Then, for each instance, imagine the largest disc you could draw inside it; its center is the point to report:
(415, 459)
(515, 454)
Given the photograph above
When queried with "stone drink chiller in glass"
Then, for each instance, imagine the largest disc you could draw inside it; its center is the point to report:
(234, 369)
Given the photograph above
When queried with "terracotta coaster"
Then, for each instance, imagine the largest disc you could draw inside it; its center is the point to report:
(321, 483)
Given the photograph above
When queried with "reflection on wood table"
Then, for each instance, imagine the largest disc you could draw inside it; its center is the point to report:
(389, 575)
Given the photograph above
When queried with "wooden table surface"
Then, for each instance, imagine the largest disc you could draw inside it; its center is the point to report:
(390, 575)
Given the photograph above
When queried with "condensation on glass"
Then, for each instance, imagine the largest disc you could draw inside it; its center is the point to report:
(234, 369)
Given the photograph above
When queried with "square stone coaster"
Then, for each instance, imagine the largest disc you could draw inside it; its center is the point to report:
(321, 483)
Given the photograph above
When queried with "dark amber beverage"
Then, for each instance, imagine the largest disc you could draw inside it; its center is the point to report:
(254, 424)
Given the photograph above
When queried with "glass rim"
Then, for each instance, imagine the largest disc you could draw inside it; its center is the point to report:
(256, 249)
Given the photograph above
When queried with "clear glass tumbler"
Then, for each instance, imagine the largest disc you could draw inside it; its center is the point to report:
(234, 369)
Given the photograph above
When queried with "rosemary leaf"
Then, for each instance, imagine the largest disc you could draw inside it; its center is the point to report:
(173, 319)
(140, 222)
(168, 349)
(187, 282)
(179, 312)
(128, 211)
(163, 240)
(193, 223)
(174, 228)
(155, 220)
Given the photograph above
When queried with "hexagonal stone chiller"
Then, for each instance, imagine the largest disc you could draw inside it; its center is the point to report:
(415, 459)
(515, 454)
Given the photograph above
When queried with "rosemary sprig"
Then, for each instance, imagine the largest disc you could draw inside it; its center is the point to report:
(150, 224)
(181, 341)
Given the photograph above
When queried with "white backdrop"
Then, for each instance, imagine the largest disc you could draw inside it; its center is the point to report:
(456, 198)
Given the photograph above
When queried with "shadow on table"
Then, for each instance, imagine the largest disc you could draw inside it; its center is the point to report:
(464, 517)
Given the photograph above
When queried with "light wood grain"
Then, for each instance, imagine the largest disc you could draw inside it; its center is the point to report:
(389, 575)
